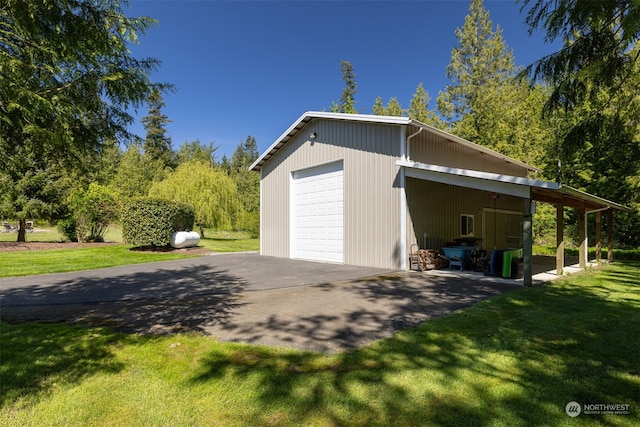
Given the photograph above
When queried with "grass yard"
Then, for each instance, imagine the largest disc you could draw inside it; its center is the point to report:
(516, 359)
(25, 263)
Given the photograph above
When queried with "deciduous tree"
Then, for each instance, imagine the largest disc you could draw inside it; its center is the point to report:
(212, 193)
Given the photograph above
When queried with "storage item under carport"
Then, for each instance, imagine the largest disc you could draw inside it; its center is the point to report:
(424, 259)
(458, 255)
(507, 263)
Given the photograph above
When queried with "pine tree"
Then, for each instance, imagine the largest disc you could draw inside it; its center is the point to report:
(347, 103)
(67, 81)
(157, 145)
(248, 184)
(485, 102)
(419, 108)
(479, 67)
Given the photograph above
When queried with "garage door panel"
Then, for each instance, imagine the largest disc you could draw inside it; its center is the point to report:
(318, 213)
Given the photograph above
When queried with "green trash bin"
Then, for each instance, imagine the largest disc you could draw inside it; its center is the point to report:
(507, 256)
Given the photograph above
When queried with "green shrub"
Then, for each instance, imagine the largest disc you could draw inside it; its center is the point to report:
(93, 209)
(68, 229)
(151, 222)
(250, 222)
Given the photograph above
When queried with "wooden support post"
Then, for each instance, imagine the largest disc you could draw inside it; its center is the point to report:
(527, 239)
(559, 239)
(582, 238)
(598, 236)
(610, 235)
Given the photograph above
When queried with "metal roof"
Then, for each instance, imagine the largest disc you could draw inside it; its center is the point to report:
(543, 191)
(368, 118)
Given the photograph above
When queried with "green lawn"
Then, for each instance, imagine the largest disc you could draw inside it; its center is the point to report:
(24, 263)
(515, 359)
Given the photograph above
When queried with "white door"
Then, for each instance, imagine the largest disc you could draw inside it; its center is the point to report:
(317, 227)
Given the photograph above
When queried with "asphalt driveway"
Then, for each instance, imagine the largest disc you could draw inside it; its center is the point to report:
(246, 298)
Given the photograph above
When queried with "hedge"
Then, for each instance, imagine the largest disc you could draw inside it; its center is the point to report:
(151, 222)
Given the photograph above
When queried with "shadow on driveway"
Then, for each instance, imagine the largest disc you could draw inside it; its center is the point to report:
(245, 298)
(339, 316)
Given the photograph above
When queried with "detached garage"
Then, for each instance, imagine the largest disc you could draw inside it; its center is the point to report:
(364, 190)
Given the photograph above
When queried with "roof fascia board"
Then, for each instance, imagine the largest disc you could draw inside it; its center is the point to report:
(573, 192)
(277, 142)
(509, 179)
(468, 182)
(371, 118)
(307, 116)
(432, 172)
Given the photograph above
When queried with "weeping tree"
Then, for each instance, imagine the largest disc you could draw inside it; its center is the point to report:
(212, 194)
(67, 79)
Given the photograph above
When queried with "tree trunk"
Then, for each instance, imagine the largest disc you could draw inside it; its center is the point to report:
(201, 232)
(22, 231)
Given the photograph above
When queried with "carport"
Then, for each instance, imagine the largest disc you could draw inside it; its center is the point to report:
(529, 191)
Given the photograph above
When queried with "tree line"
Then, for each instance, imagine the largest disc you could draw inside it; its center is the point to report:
(574, 114)
(68, 80)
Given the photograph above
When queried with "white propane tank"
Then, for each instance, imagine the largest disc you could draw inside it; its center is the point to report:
(184, 239)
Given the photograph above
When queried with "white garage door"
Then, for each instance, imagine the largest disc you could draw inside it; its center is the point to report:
(318, 213)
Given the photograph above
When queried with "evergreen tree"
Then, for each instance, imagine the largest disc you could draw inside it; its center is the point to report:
(479, 67)
(195, 150)
(248, 184)
(595, 83)
(378, 108)
(347, 103)
(157, 145)
(393, 108)
(598, 55)
(67, 81)
(135, 173)
(419, 108)
(486, 104)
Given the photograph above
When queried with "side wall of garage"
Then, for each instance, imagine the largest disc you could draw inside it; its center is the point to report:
(368, 152)
(434, 209)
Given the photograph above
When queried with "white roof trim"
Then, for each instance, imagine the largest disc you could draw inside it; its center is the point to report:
(307, 116)
(509, 179)
(371, 118)
(468, 176)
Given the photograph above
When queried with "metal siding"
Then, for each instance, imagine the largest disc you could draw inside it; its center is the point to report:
(371, 195)
(435, 209)
(434, 149)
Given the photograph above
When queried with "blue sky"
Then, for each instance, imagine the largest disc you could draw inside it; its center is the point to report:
(253, 67)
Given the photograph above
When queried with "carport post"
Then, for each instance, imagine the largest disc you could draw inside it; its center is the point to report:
(559, 239)
(598, 237)
(610, 235)
(582, 238)
(527, 238)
